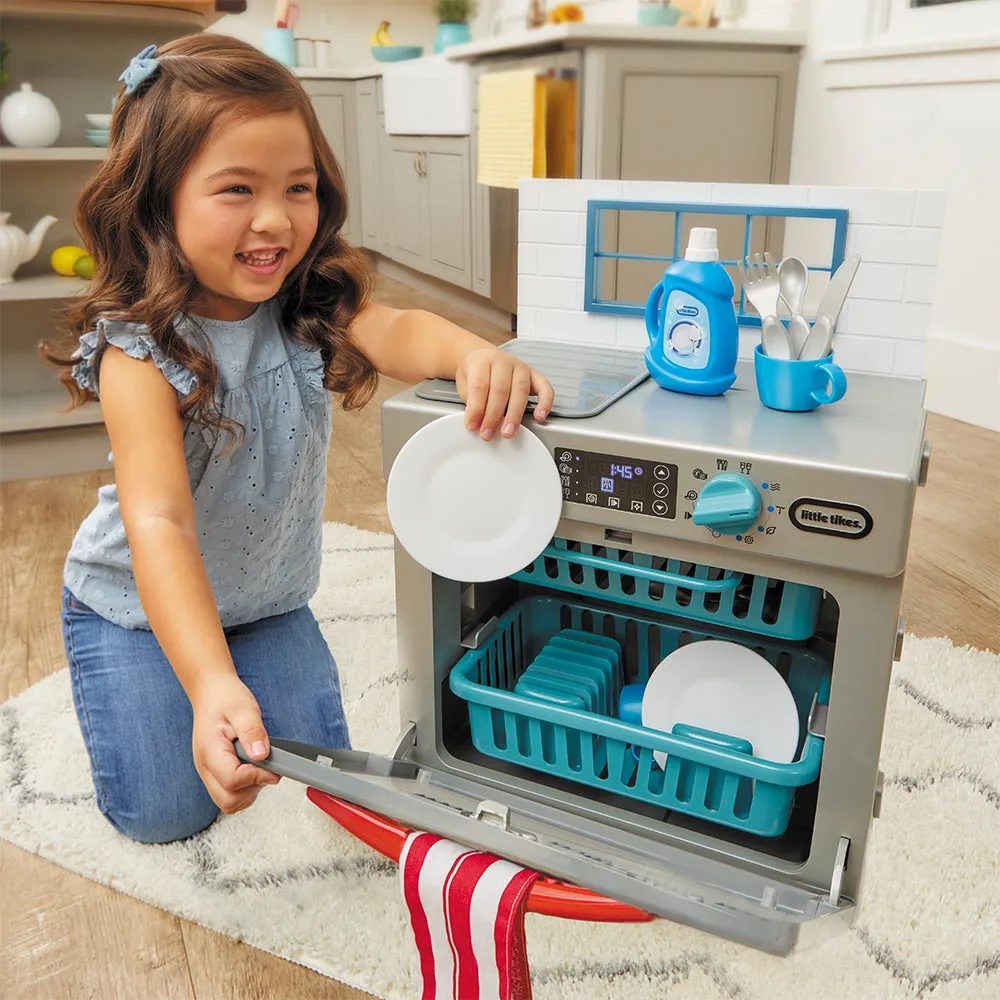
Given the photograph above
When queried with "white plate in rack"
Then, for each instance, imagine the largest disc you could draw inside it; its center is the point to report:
(473, 510)
(728, 688)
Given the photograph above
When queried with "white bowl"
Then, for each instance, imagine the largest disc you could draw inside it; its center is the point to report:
(100, 121)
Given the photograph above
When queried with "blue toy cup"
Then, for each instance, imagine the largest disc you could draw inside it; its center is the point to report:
(630, 703)
(279, 43)
(797, 386)
(630, 707)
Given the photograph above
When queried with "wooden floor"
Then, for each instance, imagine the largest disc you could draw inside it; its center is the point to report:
(64, 937)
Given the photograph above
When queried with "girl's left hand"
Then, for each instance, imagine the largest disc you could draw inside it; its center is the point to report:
(495, 386)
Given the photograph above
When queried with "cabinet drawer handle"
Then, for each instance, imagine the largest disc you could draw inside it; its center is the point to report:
(421, 160)
(416, 163)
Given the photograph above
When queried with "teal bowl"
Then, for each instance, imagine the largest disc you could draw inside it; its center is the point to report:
(98, 137)
(396, 53)
(658, 15)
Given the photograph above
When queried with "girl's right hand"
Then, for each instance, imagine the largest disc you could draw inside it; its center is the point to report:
(226, 710)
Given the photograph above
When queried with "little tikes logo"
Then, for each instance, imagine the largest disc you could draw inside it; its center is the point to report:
(828, 517)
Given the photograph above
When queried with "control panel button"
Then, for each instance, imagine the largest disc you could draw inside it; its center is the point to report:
(661, 472)
(660, 489)
(728, 503)
(659, 507)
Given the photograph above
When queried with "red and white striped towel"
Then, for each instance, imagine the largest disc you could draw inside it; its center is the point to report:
(467, 913)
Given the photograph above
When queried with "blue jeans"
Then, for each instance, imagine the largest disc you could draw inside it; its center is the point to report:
(136, 719)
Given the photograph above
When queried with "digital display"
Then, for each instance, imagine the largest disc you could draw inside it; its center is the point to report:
(618, 483)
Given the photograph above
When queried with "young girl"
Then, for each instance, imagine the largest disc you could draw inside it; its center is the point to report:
(225, 311)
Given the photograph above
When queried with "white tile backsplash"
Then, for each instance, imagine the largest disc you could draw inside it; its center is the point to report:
(665, 191)
(631, 333)
(574, 325)
(929, 209)
(869, 317)
(778, 195)
(919, 285)
(551, 227)
(572, 196)
(561, 261)
(884, 323)
(527, 258)
(867, 207)
(879, 281)
(560, 293)
(910, 359)
(894, 244)
(527, 322)
(864, 354)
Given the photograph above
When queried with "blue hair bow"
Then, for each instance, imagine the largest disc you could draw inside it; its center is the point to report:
(142, 66)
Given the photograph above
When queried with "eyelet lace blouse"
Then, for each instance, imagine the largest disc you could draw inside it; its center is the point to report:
(259, 506)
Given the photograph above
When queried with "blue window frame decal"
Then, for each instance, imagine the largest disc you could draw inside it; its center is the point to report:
(596, 256)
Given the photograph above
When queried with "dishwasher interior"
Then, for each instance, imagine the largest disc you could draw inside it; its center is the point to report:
(647, 606)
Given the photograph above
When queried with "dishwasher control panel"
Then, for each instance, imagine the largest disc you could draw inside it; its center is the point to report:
(616, 482)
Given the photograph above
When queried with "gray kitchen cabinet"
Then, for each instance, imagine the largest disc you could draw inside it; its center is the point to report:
(715, 116)
(408, 200)
(679, 111)
(447, 178)
(480, 211)
(336, 109)
(368, 162)
(430, 206)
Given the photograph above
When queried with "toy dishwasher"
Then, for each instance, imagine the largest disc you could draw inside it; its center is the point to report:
(802, 562)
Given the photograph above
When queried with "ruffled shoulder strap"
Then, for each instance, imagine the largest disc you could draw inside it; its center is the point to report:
(136, 341)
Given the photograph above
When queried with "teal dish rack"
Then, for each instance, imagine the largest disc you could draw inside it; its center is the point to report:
(706, 775)
(750, 603)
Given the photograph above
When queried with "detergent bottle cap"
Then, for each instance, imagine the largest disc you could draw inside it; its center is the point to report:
(703, 245)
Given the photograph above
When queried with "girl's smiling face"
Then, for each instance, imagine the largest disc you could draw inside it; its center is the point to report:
(246, 211)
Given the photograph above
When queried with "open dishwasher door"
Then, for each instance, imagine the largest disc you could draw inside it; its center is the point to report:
(679, 884)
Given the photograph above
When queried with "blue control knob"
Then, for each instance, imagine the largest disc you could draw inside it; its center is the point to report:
(728, 503)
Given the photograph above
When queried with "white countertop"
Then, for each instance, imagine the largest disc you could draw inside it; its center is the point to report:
(342, 73)
(553, 36)
(556, 35)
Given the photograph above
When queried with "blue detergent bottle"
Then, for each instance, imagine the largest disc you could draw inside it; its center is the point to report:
(691, 322)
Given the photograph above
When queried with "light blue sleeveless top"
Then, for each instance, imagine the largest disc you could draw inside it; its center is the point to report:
(259, 506)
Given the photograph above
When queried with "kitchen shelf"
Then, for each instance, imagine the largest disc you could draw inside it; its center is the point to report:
(143, 12)
(44, 410)
(35, 154)
(43, 286)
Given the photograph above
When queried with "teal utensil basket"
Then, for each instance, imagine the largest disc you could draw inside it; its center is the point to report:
(742, 601)
(706, 775)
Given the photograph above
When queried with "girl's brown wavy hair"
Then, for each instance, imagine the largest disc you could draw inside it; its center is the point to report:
(125, 219)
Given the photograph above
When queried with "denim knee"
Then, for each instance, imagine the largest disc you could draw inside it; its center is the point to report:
(150, 822)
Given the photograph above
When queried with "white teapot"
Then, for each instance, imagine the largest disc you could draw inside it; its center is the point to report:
(18, 247)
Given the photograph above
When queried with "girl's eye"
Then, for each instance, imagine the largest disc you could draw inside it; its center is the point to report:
(300, 189)
(237, 189)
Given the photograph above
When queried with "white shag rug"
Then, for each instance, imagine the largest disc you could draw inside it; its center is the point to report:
(281, 875)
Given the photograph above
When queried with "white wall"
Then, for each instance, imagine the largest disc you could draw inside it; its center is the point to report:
(346, 23)
(944, 136)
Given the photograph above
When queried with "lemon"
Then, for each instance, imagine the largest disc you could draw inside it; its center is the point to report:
(85, 266)
(64, 258)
